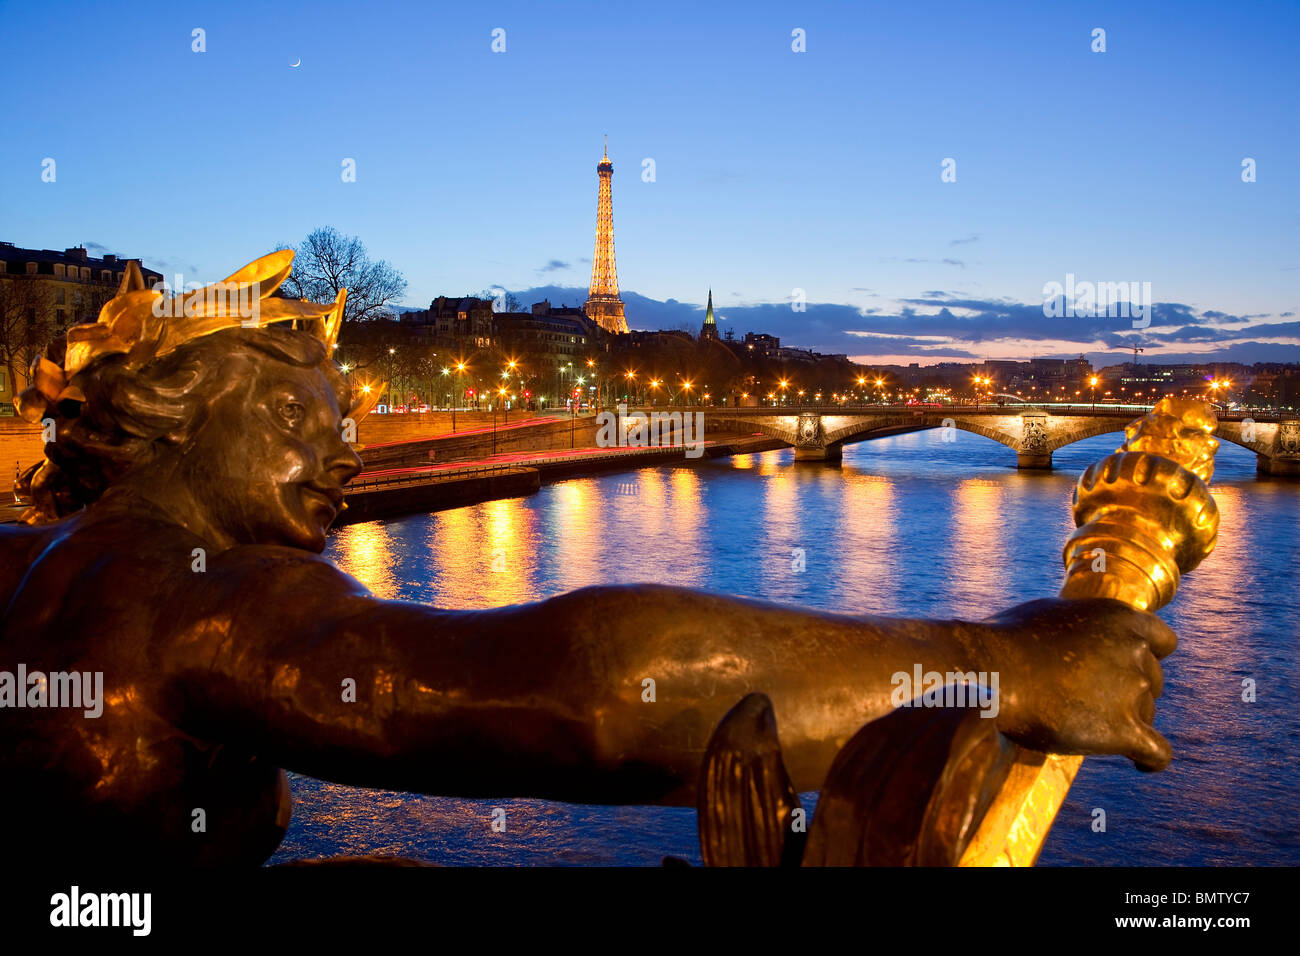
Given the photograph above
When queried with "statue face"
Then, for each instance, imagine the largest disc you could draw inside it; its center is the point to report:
(270, 463)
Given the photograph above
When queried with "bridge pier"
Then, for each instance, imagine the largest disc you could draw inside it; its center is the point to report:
(1034, 460)
(1277, 467)
(1034, 451)
(810, 440)
(829, 454)
(1283, 459)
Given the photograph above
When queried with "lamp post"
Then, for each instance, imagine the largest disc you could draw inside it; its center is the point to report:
(559, 379)
(1093, 382)
(512, 369)
(455, 399)
(573, 418)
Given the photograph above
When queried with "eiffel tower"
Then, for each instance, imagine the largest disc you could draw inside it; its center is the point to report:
(603, 304)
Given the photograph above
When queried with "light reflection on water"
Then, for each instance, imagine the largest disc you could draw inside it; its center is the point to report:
(908, 526)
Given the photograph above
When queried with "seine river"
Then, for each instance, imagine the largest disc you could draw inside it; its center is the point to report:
(907, 526)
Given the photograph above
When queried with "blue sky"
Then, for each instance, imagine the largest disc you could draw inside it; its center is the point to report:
(775, 170)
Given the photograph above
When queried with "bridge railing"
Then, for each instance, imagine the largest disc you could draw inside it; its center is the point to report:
(987, 408)
(375, 482)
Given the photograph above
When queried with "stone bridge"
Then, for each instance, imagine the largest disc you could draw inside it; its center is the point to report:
(1033, 432)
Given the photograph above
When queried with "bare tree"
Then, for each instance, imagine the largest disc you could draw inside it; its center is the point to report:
(509, 302)
(328, 261)
(26, 326)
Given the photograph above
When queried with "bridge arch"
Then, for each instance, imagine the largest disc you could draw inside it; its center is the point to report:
(1081, 431)
(1033, 432)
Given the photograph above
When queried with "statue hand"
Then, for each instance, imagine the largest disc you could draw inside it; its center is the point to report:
(1081, 676)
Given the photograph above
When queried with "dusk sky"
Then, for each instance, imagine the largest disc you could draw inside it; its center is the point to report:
(774, 170)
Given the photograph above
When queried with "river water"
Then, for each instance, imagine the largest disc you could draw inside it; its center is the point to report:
(907, 526)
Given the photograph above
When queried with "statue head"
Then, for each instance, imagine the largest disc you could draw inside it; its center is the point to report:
(230, 425)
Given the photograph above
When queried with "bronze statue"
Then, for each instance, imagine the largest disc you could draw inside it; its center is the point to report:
(197, 461)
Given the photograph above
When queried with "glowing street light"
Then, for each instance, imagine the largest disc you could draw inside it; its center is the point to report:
(460, 369)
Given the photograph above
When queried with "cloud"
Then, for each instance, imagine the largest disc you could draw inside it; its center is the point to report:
(554, 265)
(942, 262)
(973, 237)
(940, 326)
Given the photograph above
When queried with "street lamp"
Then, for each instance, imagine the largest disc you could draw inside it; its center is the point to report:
(460, 368)
(573, 415)
(559, 378)
(595, 377)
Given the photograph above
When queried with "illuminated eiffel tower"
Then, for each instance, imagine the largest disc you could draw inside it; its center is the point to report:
(603, 304)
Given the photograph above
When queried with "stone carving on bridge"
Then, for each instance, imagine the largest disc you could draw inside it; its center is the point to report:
(174, 547)
(1287, 444)
(810, 439)
(1034, 451)
(1034, 435)
(808, 433)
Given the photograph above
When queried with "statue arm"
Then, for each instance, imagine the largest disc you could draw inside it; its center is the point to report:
(604, 694)
(610, 694)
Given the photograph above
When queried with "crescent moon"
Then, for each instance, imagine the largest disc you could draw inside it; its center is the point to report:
(297, 63)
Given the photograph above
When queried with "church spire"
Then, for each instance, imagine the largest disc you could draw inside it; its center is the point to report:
(710, 330)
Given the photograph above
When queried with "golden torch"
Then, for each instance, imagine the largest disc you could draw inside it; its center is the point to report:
(1144, 518)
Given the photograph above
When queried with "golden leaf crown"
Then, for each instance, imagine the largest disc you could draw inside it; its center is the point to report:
(144, 324)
